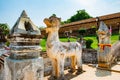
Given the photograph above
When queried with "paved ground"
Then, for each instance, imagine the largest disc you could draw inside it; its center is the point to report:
(92, 74)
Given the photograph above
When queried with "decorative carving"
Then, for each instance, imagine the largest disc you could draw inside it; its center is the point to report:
(58, 51)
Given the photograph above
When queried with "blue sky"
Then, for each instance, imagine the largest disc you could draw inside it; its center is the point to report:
(37, 10)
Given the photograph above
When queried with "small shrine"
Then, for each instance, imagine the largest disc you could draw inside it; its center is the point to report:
(24, 62)
(24, 39)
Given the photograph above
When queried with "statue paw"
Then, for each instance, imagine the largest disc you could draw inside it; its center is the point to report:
(62, 77)
(54, 77)
(71, 71)
(57, 78)
(79, 71)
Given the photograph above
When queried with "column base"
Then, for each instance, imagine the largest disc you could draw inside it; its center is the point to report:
(104, 65)
(27, 69)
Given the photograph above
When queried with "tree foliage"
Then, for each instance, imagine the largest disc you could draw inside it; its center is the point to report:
(80, 15)
(5, 28)
(42, 27)
(88, 43)
(54, 15)
(82, 31)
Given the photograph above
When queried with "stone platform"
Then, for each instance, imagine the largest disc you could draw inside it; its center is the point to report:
(91, 73)
(26, 69)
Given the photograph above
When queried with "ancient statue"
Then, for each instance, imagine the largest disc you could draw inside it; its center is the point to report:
(58, 51)
(107, 53)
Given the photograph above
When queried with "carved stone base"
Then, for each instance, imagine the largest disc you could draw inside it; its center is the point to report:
(27, 69)
(104, 65)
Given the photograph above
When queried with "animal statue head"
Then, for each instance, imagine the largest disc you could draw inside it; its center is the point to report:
(103, 33)
(52, 23)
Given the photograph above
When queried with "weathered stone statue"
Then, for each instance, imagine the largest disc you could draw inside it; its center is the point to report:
(58, 51)
(104, 46)
(107, 53)
(24, 39)
(24, 62)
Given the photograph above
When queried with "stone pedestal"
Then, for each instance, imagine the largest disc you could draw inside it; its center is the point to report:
(26, 69)
(104, 65)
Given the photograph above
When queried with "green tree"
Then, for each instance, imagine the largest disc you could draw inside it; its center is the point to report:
(5, 28)
(82, 31)
(88, 43)
(54, 15)
(42, 27)
(80, 15)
